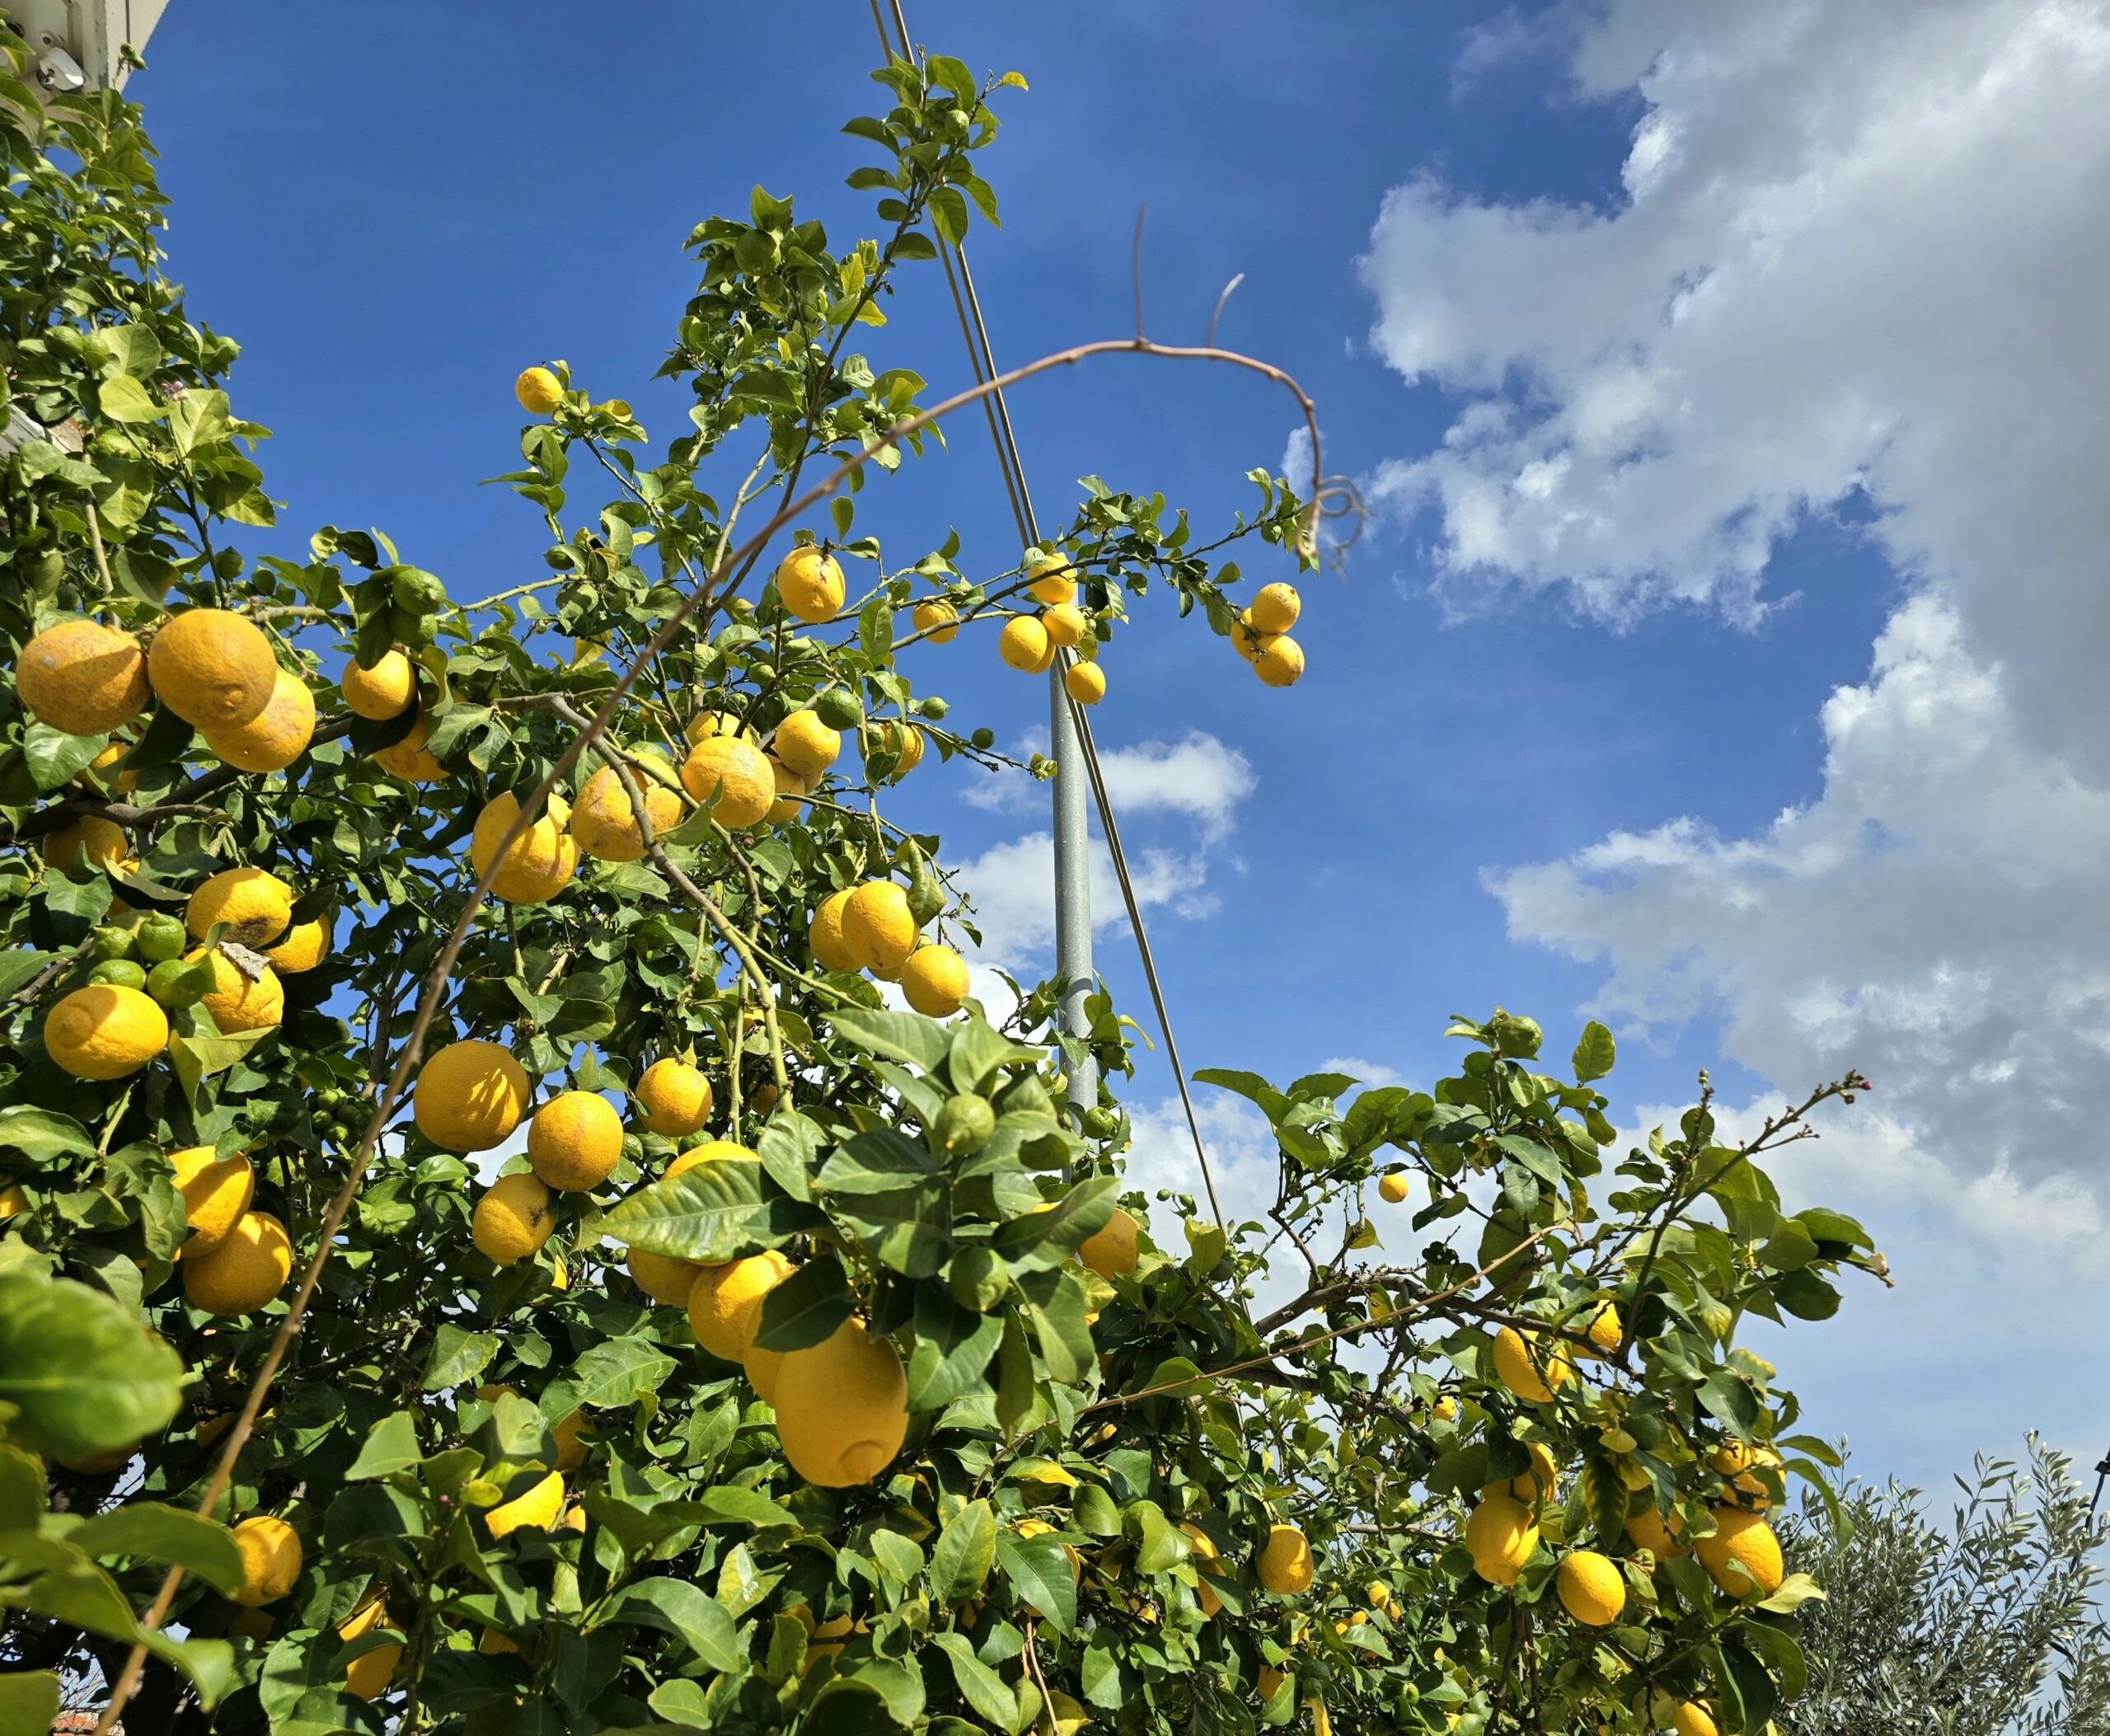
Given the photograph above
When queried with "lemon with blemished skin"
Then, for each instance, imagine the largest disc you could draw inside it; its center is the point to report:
(89, 841)
(1025, 644)
(1650, 1530)
(1501, 1535)
(1691, 1719)
(274, 738)
(879, 929)
(711, 1151)
(673, 1097)
(1110, 1250)
(725, 1302)
(216, 1192)
(255, 904)
(1742, 1541)
(1085, 683)
(1274, 608)
(824, 934)
(842, 1407)
(238, 1003)
(604, 821)
(575, 1142)
(538, 390)
(305, 946)
(1285, 1566)
(810, 583)
(806, 744)
(249, 1267)
(470, 1096)
(1053, 582)
(381, 692)
(512, 1220)
(1280, 662)
(213, 668)
(270, 1559)
(538, 865)
(736, 772)
(935, 981)
(1590, 1588)
(1392, 1189)
(105, 1031)
(409, 759)
(1531, 1374)
(791, 792)
(667, 1281)
(1064, 624)
(83, 677)
(538, 1508)
(937, 621)
(705, 724)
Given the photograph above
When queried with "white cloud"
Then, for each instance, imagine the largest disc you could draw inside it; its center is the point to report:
(1013, 887)
(1197, 777)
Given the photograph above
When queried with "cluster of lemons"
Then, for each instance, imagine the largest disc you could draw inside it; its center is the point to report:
(1261, 634)
(1030, 642)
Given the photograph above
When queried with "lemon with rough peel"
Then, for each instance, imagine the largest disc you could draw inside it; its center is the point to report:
(791, 792)
(270, 1554)
(842, 1407)
(1064, 624)
(381, 692)
(735, 771)
(806, 744)
(879, 929)
(1689, 1719)
(255, 905)
(1742, 1553)
(1650, 1530)
(216, 1192)
(575, 1141)
(935, 979)
(274, 738)
(824, 934)
(305, 946)
(539, 390)
(711, 1151)
(937, 621)
(667, 1281)
(83, 677)
(1274, 609)
(213, 668)
(1501, 1535)
(1541, 1483)
(105, 1031)
(1392, 1189)
(409, 758)
(1205, 1553)
(1052, 581)
(1590, 1588)
(1085, 683)
(538, 1509)
(673, 1097)
(238, 1003)
(604, 823)
(1280, 662)
(90, 841)
(536, 865)
(512, 1220)
(1110, 1250)
(1531, 1374)
(725, 1303)
(470, 1096)
(810, 583)
(1285, 1566)
(247, 1269)
(705, 724)
(1025, 644)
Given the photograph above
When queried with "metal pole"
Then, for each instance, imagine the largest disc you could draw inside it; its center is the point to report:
(1073, 881)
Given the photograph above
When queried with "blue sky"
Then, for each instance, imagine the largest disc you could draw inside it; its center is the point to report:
(1465, 233)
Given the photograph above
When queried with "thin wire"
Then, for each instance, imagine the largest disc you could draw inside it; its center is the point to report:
(982, 358)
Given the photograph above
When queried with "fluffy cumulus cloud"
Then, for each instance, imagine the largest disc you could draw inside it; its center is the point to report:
(1857, 256)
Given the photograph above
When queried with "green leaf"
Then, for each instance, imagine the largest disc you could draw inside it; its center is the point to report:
(123, 399)
(392, 1445)
(725, 1504)
(55, 758)
(966, 1550)
(1040, 1240)
(710, 1215)
(1038, 1570)
(42, 1135)
(458, 1357)
(611, 1375)
(1251, 1086)
(1160, 1544)
(28, 1703)
(688, 1612)
(979, 1686)
(806, 1308)
(1595, 1053)
(88, 1378)
(879, 1162)
(953, 1347)
(150, 1531)
(1796, 1590)
(899, 1036)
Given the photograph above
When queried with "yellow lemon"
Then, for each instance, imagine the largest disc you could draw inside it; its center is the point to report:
(725, 1303)
(249, 1267)
(536, 865)
(1501, 1535)
(513, 1219)
(937, 621)
(1285, 1566)
(270, 1554)
(274, 738)
(1648, 1529)
(935, 980)
(255, 905)
(879, 931)
(1110, 1250)
(1540, 1483)
(1691, 1719)
(1270, 1681)
(1064, 624)
(469, 1096)
(105, 1031)
(711, 1151)
(1052, 581)
(1532, 1374)
(1085, 683)
(604, 823)
(571, 1437)
(1206, 1553)
(1280, 662)
(824, 934)
(667, 1281)
(83, 677)
(367, 1676)
(214, 669)
(409, 758)
(575, 1141)
(674, 1098)
(1247, 638)
(707, 724)
(305, 947)
(1274, 610)
(810, 584)
(537, 1510)
(216, 1192)
(89, 841)
(238, 1004)
(539, 390)
(1590, 1588)
(12, 1200)
(1604, 1330)
(1743, 1552)
(1445, 1410)
(1025, 644)
(842, 1407)
(791, 791)
(381, 692)
(1392, 1189)
(736, 772)
(806, 744)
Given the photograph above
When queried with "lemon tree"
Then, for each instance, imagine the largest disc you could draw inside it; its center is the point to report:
(511, 1218)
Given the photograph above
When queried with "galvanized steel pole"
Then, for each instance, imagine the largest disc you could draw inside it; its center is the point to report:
(1072, 880)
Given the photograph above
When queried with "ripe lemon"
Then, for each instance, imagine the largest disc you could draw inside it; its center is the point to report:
(572, 1435)
(1285, 1566)
(1085, 683)
(810, 584)
(214, 669)
(1649, 1529)
(705, 724)
(381, 692)
(1274, 609)
(791, 791)
(1392, 1189)
(1531, 1373)
(604, 824)
(256, 905)
(842, 1407)
(935, 980)
(725, 1302)
(711, 1151)
(824, 934)
(667, 1281)
(1691, 1719)
(216, 1192)
(1064, 624)
(1445, 1410)
(1501, 1535)
(105, 1031)
(1247, 638)
(469, 1096)
(574, 1141)
(367, 1617)
(1743, 1544)
(83, 677)
(1541, 1483)
(1606, 1330)
(236, 1003)
(539, 390)
(367, 1676)
(672, 1098)
(1590, 1588)
(537, 1510)
(736, 772)
(12, 1200)
(305, 946)
(903, 741)
(270, 1559)
(806, 744)
(247, 1269)
(536, 865)
(409, 759)
(1270, 1681)
(513, 1219)
(1110, 1250)
(1052, 581)
(274, 738)
(1023, 645)
(1205, 1554)
(879, 931)
(1280, 662)
(89, 841)
(937, 621)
